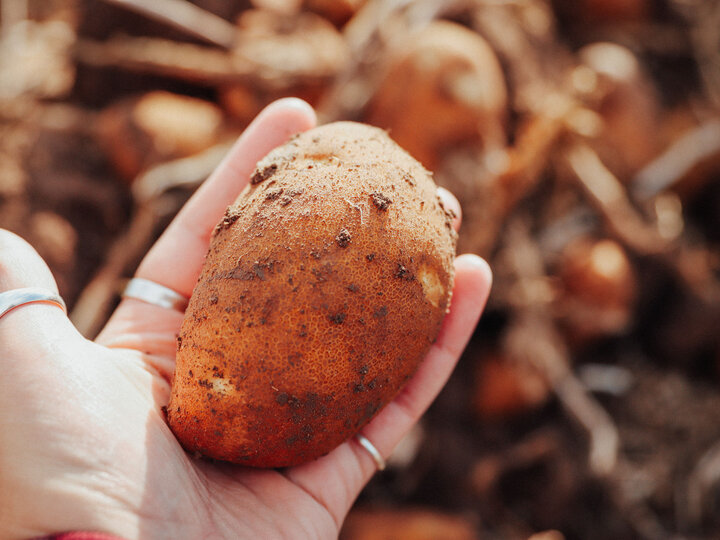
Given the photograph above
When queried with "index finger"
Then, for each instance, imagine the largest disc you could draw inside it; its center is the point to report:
(177, 257)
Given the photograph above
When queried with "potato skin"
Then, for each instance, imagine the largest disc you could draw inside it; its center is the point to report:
(325, 285)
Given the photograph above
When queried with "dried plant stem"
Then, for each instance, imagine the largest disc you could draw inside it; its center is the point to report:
(94, 303)
(610, 199)
(187, 61)
(187, 17)
(703, 479)
(352, 88)
(186, 172)
(533, 339)
(684, 164)
(528, 159)
(181, 60)
(706, 41)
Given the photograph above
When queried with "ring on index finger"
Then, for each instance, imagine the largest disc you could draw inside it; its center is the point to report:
(153, 293)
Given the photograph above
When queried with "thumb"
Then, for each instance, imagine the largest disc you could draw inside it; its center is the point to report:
(30, 328)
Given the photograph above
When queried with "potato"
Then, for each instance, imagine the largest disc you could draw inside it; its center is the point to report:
(406, 524)
(599, 290)
(626, 100)
(506, 387)
(159, 126)
(294, 54)
(325, 285)
(443, 88)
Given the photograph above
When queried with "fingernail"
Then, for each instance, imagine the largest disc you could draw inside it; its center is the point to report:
(293, 103)
(451, 203)
(470, 259)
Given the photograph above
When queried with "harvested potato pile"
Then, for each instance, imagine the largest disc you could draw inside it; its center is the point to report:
(592, 188)
(325, 285)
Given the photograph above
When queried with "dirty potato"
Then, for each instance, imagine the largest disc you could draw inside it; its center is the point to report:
(324, 287)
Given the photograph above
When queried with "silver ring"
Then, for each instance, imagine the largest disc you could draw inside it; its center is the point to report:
(154, 293)
(14, 298)
(374, 453)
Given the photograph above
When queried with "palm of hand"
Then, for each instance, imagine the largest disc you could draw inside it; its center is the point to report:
(101, 421)
(83, 440)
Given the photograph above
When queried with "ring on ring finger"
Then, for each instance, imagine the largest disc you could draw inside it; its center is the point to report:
(16, 298)
(374, 452)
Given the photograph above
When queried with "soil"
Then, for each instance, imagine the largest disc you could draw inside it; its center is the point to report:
(652, 382)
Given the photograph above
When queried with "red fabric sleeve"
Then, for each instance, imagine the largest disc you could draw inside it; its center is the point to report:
(82, 536)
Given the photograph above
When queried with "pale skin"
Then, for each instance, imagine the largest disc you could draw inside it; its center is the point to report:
(83, 440)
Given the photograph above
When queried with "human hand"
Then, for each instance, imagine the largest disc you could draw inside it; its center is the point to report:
(83, 440)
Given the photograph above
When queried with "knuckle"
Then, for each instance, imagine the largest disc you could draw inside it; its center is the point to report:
(20, 265)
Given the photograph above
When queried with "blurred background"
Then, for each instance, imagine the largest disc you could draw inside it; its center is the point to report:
(582, 138)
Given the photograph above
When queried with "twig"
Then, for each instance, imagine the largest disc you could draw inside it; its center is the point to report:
(703, 479)
(536, 447)
(187, 17)
(186, 172)
(503, 178)
(93, 305)
(534, 60)
(95, 301)
(604, 378)
(528, 159)
(364, 35)
(362, 28)
(686, 161)
(690, 264)
(200, 64)
(641, 517)
(706, 41)
(609, 197)
(533, 338)
(350, 91)
(182, 60)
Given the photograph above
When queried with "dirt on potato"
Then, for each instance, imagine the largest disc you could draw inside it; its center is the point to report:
(324, 287)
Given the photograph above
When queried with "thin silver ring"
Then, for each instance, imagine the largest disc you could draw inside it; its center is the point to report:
(154, 293)
(15, 298)
(374, 453)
